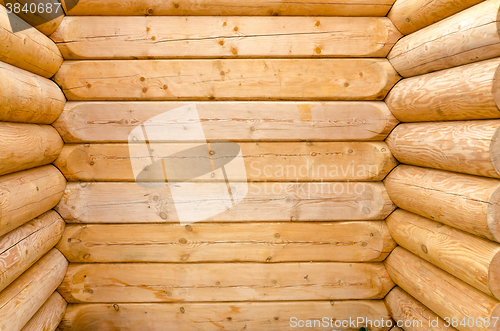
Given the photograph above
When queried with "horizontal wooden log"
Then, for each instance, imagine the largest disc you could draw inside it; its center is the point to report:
(467, 257)
(469, 147)
(131, 203)
(28, 98)
(38, 18)
(28, 194)
(83, 122)
(412, 15)
(25, 245)
(87, 37)
(300, 161)
(25, 146)
(230, 316)
(444, 294)
(465, 202)
(47, 318)
(227, 7)
(138, 282)
(244, 242)
(411, 314)
(469, 36)
(463, 93)
(28, 49)
(228, 79)
(22, 299)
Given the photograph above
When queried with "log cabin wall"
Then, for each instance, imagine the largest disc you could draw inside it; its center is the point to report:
(30, 186)
(447, 188)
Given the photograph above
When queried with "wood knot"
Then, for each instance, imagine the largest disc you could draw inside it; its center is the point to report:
(317, 23)
(189, 228)
(116, 307)
(163, 215)
(86, 256)
(276, 318)
(182, 310)
(364, 244)
(185, 257)
(169, 294)
(151, 11)
(276, 235)
(183, 241)
(424, 249)
(176, 5)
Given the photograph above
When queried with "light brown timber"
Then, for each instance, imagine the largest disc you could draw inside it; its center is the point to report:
(87, 37)
(469, 36)
(408, 312)
(39, 16)
(28, 49)
(25, 146)
(27, 97)
(227, 79)
(27, 194)
(227, 7)
(139, 282)
(239, 242)
(444, 294)
(47, 318)
(465, 202)
(467, 92)
(112, 122)
(22, 247)
(470, 147)
(231, 316)
(131, 203)
(22, 299)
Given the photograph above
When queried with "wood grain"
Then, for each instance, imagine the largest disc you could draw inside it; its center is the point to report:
(28, 49)
(138, 282)
(227, 7)
(469, 36)
(25, 146)
(22, 247)
(47, 318)
(467, 92)
(28, 98)
(467, 257)
(227, 79)
(444, 294)
(408, 312)
(300, 161)
(131, 203)
(41, 20)
(231, 316)
(22, 299)
(412, 15)
(230, 242)
(465, 202)
(469, 147)
(27, 194)
(112, 122)
(87, 37)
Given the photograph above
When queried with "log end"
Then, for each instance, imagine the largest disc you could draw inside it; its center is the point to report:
(494, 276)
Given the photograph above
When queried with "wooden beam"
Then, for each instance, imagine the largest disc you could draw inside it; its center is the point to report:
(28, 49)
(451, 42)
(412, 15)
(468, 147)
(139, 282)
(216, 316)
(463, 93)
(467, 257)
(49, 315)
(442, 293)
(300, 161)
(112, 122)
(25, 146)
(465, 202)
(131, 203)
(140, 37)
(25, 245)
(28, 98)
(411, 314)
(28, 194)
(38, 18)
(22, 299)
(228, 79)
(238, 242)
(227, 7)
